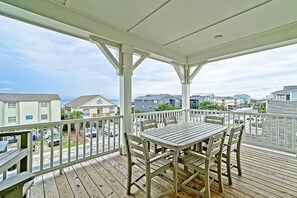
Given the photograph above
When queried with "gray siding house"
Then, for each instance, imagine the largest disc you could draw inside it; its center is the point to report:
(148, 103)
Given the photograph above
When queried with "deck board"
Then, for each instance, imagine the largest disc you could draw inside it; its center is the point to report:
(265, 174)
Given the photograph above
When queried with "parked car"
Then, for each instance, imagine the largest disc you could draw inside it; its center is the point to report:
(239, 121)
(94, 132)
(110, 130)
(56, 140)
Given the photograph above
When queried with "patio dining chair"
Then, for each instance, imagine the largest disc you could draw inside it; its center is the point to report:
(214, 120)
(169, 120)
(153, 165)
(151, 124)
(233, 145)
(201, 163)
(211, 120)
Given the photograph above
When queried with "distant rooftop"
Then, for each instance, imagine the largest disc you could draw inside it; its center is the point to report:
(153, 97)
(15, 97)
(286, 90)
(224, 97)
(84, 99)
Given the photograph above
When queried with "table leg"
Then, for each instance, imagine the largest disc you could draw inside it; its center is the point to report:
(175, 178)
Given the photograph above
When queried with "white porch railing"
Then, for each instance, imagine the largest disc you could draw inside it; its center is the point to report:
(158, 115)
(63, 143)
(273, 131)
(84, 139)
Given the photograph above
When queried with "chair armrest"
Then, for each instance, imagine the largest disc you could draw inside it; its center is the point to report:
(197, 154)
(163, 155)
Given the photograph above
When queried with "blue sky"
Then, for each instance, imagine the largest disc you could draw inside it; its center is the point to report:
(36, 60)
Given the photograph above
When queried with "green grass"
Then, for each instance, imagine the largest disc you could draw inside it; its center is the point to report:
(37, 143)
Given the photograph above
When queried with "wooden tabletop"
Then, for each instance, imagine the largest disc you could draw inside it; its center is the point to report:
(180, 136)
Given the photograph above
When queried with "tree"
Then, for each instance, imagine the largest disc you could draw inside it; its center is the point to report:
(261, 107)
(165, 107)
(207, 105)
(76, 115)
(62, 114)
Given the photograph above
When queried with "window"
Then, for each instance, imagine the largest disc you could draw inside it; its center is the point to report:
(43, 116)
(11, 105)
(111, 110)
(12, 119)
(287, 97)
(43, 104)
(29, 117)
(155, 101)
(86, 112)
(99, 101)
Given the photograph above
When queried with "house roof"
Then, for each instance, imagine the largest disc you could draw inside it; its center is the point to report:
(187, 33)
(286, 90)
(153, 97)
(84, 99)
(224, 97)
(15, 97)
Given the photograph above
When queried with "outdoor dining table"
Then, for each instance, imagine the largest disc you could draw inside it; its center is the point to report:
(178, 137)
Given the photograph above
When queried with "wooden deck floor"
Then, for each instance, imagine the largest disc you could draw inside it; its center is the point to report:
(265, 174)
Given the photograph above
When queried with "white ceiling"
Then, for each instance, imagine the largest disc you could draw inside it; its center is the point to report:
(178, 30)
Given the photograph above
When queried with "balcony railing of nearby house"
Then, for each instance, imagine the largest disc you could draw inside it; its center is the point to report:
(54, 145)
(273, 131)
(158, 115)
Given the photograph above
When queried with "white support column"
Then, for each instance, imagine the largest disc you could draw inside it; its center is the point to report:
(186, 74)
(186, 101)
(126, 91)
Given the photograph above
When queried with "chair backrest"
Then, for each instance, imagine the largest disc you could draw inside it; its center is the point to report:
(170, 120)
(215, 144)
(235, 136)
(136, 147)
(214, 120)
(148, 124)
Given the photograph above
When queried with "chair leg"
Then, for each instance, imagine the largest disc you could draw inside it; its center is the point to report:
(148, 185)
(129, 178)
(206, 181)
(221, 188)
(229, 168)
(238, 162)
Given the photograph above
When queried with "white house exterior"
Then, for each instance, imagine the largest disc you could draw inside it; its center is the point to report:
(228, 102)
(283, 101)
(288, 93)
(21, 108)
(91, 106)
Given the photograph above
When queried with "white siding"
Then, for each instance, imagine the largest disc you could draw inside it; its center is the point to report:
(294, 95)
(27, 109)
(55, 110)
(1, 113)
(11, 112)
(44, 111)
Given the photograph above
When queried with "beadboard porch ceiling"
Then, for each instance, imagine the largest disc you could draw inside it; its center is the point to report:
(189, 31)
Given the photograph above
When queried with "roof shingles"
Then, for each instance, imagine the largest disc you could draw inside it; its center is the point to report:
(16, 97)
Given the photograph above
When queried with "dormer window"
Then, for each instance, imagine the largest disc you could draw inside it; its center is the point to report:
(99, 101)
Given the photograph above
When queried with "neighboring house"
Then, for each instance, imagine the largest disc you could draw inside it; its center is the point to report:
(195, 100)
(178, 99)
(244, 99)
(149, 102)
(288, 93)
(283, 101)
(91, 106)
(18, 108)
(227, 102)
